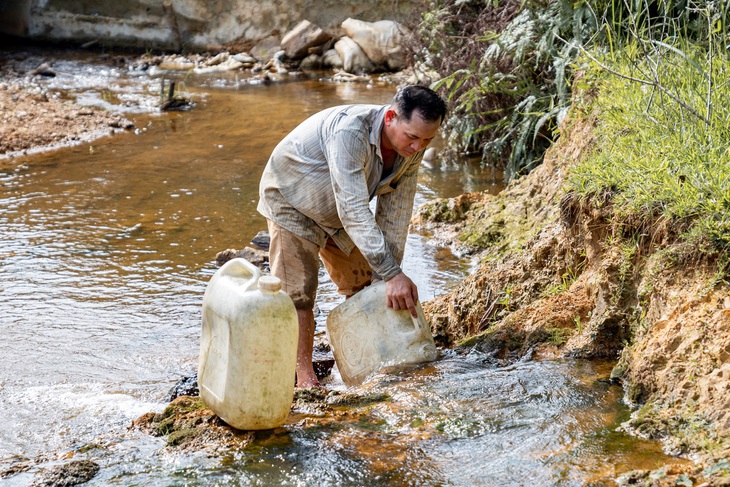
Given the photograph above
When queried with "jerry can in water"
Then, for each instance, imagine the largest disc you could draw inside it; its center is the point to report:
(248, 347)
(367, 336)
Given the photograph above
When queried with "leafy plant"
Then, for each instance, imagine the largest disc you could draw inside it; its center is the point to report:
(506, 73)
(507, 66)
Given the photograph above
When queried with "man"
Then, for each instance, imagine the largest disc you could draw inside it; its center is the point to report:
(315, 193)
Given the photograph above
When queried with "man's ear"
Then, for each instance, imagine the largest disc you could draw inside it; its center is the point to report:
(390, 115)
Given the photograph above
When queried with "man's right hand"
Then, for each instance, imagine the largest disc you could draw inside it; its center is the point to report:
(401, 293)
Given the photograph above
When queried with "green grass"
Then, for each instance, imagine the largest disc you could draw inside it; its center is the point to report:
(659, 158)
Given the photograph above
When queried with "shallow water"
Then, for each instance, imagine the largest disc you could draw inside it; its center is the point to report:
(105, 251)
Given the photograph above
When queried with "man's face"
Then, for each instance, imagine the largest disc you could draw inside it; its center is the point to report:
(407, 137)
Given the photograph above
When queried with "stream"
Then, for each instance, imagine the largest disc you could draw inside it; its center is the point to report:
(105, 252)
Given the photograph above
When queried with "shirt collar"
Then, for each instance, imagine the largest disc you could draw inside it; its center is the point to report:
(376, 130)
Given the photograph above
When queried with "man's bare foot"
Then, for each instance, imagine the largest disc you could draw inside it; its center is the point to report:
(306, 378)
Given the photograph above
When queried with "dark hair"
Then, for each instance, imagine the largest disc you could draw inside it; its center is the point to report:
(428, 103)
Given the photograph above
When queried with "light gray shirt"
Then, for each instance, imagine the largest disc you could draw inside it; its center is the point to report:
(321, 177)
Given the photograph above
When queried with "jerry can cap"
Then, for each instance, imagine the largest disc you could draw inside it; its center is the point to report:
(270, 283)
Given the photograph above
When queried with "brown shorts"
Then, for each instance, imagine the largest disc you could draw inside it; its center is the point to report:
(294, 260)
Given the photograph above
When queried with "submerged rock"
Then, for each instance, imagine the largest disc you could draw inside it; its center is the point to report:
(189, 425)
(187, 386)
(715, 475)
(67, 474)
(254, 256)
(44, 70)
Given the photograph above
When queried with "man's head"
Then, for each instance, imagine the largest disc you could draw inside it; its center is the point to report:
(426, 102)
(412, 120)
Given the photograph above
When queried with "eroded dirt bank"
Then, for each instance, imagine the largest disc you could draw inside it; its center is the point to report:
(560, 278)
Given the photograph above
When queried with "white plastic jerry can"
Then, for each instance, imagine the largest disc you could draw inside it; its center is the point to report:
(248, 347)
(367, 336)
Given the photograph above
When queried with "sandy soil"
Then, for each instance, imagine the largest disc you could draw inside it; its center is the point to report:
(35, 116)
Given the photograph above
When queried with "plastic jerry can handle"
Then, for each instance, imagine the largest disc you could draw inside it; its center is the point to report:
(241, 269)
(420, 325)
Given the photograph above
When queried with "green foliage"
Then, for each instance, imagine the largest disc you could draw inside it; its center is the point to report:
(662, 143)
(506, 72)
(507, 65)
(558, 336)
(566, 280)
(660, 20)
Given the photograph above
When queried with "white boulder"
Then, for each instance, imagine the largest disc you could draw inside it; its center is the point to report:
(354, 59)
(381, 41)
(296, 43)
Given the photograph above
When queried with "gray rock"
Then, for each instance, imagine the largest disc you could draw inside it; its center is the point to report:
(311, 62)
(354, 59)
(266, 48)
(67, 474)
(296, 43)
(262, 240)
(332, 59)
(187, 386)
(245, 58)
(380, 41)
(257, 257)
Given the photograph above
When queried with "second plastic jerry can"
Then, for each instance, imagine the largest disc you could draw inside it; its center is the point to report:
(248, 347)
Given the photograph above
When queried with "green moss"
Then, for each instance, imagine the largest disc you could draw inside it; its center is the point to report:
(184, 404)
(473, 340)
(558, 336)
(168, 419)
(445, 210)
(336, 398)
(165, 427)
(482, 236)
(179, 437)
(688, 430)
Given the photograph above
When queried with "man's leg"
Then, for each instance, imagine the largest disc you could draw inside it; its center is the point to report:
(351, 273)
(305, 370)
(295, 261)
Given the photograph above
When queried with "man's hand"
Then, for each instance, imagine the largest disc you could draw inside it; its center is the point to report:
(401, 293)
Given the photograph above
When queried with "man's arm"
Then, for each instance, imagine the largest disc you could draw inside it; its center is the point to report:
(347, 156)
(393, 216)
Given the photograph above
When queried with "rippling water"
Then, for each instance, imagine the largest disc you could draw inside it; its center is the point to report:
(105, 251)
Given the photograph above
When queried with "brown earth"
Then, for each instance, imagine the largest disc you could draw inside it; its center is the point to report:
(34, 118)
(558, 277)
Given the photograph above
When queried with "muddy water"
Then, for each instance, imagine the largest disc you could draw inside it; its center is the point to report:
(105, 251)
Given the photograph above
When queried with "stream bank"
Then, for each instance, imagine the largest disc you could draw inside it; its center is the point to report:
(559, 279)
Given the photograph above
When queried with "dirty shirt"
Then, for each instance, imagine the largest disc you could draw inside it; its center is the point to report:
(320, 179)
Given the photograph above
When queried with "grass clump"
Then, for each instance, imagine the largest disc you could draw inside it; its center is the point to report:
(662, 149)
